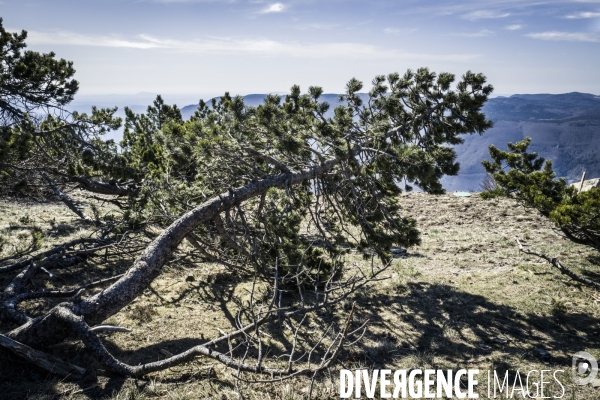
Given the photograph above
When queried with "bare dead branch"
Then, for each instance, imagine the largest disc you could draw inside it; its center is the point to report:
(556, 264)
(46, 256)
(109, 328)
(68, 202)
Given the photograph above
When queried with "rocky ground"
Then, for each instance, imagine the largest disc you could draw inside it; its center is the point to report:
(465, 298)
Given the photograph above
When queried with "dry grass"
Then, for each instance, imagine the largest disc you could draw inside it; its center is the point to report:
(465, 298)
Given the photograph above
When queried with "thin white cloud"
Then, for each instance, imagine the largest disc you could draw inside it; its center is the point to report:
(236, 46)
(492, 8)
(366, 22)
(75, 39)
(274, 8)
(514, 27)
(398, 32)
(583, 15)
(566, 36)
(481, 33)
(485, 14)
(317, 27)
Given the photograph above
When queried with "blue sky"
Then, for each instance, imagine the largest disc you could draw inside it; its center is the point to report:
(202, 48)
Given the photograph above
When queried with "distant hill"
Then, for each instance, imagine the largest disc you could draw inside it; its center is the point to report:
(564, 127)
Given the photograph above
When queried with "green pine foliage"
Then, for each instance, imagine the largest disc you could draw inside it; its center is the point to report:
(30, 80)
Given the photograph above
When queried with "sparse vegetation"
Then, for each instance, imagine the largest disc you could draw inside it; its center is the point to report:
(443, 314)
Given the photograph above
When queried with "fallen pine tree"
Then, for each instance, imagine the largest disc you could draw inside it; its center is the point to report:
(279, 193)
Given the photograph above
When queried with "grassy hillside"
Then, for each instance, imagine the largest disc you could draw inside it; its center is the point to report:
(464, 298)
